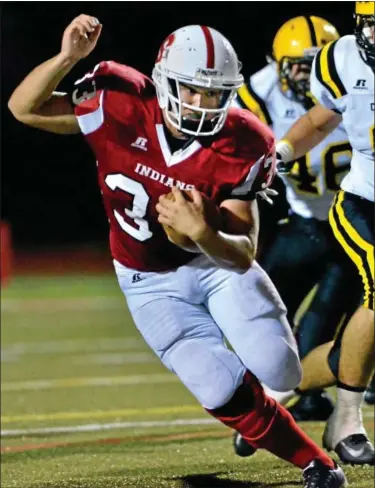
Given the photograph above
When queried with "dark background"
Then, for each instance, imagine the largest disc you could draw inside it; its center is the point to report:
(49, 191)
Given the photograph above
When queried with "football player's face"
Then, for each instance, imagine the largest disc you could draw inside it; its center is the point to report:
(369, 31)
(200, 98)
(300, 72)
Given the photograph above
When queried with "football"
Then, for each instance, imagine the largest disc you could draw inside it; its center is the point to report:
(212, 215)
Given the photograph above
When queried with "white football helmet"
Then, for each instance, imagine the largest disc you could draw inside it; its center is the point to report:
(199, 56)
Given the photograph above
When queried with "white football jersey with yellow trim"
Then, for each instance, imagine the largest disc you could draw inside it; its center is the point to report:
(342, 81)
(316, 177)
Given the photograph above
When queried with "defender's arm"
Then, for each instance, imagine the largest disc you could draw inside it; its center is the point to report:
(308, 132)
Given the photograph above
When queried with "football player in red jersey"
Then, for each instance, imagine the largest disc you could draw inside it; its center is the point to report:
(178, 133)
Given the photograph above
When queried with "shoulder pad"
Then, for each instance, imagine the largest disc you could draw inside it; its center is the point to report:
(254, 94)
(329, 64)
(110, 75)
(244, 136)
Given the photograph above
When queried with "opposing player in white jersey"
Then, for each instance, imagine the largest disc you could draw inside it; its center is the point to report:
(342, 81)
(304, 251)
(178, 132)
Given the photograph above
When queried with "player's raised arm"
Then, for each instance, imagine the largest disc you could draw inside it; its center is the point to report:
(34, 102)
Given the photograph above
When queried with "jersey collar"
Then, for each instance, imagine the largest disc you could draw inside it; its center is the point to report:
(180, 155)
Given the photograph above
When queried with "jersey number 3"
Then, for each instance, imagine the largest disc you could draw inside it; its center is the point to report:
(141, 230)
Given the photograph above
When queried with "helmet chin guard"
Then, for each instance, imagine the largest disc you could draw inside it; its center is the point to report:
(201, 57)
(299, 88)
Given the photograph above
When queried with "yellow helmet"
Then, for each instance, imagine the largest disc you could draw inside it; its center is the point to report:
(364, 8)
(297, 42)
(364, 30)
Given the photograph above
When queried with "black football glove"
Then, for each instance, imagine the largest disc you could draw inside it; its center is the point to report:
(282, 167)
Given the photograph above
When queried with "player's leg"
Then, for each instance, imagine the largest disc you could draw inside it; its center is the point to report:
(249, 311)
(352, 221)
(334, 302)
(295, 261)
(337, 297)
(167, 310)
(350, 360)
(320, 365)
(252, 316)
(197, 355)
(317, 374)
(370, 392)
(190, 344)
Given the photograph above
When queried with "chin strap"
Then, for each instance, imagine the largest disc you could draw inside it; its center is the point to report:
(189, 141)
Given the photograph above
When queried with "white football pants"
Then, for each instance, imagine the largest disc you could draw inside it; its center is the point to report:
(183, 315)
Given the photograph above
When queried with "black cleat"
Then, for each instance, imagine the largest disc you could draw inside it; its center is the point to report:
(370, 393)
(241, 447)
(370, 396)
(356, 449)
(318, 475)
(314, 406)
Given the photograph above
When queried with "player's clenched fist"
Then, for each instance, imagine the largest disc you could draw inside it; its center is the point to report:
(80, 37)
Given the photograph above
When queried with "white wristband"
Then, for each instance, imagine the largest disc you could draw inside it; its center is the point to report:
(286, 151)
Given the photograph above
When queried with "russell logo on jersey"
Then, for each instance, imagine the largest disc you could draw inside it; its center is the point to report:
(140, 143)
(360, 85)
(136, 278)
(290, 113)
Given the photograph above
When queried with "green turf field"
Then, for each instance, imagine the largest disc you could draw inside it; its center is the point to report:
(86, 404)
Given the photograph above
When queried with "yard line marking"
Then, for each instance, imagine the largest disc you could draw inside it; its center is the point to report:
(126, 412)
(115, 358)
(101, 344)
(89, 381)
(44, 431)
(51, 305)
(86, 358)
(121, 440)
(9, 359)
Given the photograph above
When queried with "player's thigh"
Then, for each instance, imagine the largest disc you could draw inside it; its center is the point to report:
(299, 242)
(352, 222)
(337, 296)
(190, 344)
(183, 335)
(250, 312)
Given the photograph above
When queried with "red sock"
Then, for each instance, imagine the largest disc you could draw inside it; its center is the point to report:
(265, 424)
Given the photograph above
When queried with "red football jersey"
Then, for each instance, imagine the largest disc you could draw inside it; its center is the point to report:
(118, 112)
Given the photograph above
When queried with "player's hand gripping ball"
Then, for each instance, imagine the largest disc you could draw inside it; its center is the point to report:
(212, 217)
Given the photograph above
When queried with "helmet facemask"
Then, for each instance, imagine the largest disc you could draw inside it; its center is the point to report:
(299, 88)
(201, 121)
(364, 33)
